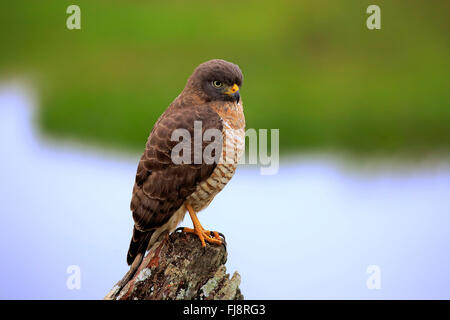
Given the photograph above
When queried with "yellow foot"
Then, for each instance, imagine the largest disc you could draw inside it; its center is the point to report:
(205, 235)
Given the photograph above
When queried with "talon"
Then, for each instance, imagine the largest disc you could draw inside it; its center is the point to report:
(216, 235)
(224, 242)
(204, 235)
(222, 235)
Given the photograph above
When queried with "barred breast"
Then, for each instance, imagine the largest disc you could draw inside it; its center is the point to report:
(232, 149)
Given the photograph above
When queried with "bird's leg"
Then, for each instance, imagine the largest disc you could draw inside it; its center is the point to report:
(204, 235)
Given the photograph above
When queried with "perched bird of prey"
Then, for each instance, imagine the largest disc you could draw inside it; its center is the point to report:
(164, 190)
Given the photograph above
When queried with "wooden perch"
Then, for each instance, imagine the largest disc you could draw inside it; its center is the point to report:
(177, 267)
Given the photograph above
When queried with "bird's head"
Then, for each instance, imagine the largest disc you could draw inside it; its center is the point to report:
(216, 80)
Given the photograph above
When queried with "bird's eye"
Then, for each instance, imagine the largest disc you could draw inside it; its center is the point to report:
(217, 84)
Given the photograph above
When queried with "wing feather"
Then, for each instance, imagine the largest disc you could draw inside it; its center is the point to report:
(161, 186)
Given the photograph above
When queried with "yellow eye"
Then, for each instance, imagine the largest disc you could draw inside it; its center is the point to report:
(217, 84)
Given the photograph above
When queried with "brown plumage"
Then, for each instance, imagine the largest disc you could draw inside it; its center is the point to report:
(164, 191)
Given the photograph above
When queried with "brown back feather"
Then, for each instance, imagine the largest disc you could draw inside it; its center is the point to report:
(161, 187)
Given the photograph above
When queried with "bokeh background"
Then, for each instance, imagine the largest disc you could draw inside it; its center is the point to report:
(364, 119)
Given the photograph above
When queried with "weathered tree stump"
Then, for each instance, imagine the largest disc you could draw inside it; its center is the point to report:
(177, 267)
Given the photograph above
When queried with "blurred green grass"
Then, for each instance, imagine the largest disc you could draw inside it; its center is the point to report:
(311, 68)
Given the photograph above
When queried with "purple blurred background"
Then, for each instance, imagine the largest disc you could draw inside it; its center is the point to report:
(312, 230)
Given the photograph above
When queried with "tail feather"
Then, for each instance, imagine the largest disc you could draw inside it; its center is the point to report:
(138, 244)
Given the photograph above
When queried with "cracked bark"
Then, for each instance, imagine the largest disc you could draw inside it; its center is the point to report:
(177, 267)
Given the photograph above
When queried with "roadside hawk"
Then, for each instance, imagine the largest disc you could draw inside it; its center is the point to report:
(165, 189)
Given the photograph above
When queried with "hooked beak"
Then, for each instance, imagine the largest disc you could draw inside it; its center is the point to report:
(234, 92)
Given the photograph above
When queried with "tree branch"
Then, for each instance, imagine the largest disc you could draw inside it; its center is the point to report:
(178, 267)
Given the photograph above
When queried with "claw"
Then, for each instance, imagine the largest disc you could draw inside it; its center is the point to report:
(222, 235)
(204, 235)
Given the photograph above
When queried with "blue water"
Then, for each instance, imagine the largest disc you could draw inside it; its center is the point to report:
(311, 231)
